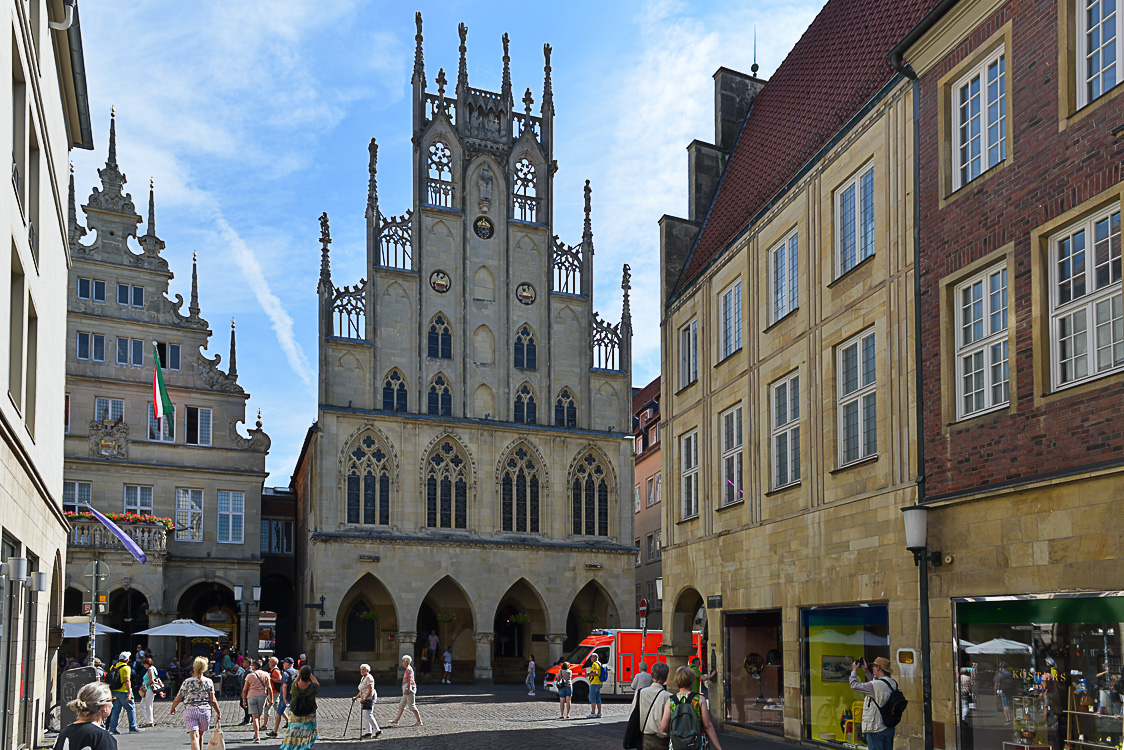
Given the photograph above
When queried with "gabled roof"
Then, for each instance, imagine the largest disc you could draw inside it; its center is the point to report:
(641, 396)
(835, 69)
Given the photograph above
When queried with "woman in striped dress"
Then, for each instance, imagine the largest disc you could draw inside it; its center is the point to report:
(197, 693)
(301, 731)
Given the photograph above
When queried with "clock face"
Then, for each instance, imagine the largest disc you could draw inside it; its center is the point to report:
(440, 281)
(525, 293)
(483, 227)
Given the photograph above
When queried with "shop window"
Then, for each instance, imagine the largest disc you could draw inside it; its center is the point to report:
(1043, 671)
(756, 671)
(832, 639)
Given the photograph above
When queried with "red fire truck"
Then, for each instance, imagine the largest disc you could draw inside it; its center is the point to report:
(621, 650)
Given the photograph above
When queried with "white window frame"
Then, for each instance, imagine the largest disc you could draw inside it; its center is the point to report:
(1089, 304)
(864, 396)
(189, 514)
(89, 288)
(784, 277)
(200, 438)
(981, 305)
(990, 117)
(78, 338)
(650, 486)
(167, 426)
(785, 424)
(864, 244)
(636, 499)
(235, 503)
(111, 406)
(730, 319)
(137, 505)
(689, 470)
(76, 490)
(134, 352)
(639, 554)
(284, 542)
(731, 434)
(166, 360)
(1115, 7)
(689, 353)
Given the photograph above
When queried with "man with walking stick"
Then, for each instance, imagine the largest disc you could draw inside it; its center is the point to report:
(367, 697)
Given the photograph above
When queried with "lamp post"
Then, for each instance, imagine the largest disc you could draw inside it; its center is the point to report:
(916, 541)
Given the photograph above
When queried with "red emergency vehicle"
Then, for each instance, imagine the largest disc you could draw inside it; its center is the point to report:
(621, 651)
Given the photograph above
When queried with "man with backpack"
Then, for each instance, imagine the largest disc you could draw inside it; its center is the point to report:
(883, 705)
(686, 716)
(119, 678)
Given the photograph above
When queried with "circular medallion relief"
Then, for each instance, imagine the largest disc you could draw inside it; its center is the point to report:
(483, 227)
(525, 293)
(440, 281)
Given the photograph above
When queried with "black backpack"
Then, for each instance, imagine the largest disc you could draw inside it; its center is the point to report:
(301, 704)
(685, 729)
(894, 707)
(113, 677)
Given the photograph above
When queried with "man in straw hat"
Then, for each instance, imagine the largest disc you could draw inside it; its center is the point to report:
(877, 691)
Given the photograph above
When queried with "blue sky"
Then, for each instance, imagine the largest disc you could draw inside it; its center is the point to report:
(254, 117)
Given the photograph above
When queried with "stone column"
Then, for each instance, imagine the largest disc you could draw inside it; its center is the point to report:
(163, 646)
(251, 632)
(555, 649)
(406, 641)
(482, 675)
(323, 655)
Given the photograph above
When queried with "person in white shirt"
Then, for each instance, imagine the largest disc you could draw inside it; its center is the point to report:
(877, 691)
(530, 681)
(652, 699)
(642, 679)
(367, 697)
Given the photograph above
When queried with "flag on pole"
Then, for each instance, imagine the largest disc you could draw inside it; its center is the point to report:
(128, 541)
(161, 404)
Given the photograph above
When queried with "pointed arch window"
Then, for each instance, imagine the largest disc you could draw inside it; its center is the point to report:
(525, 410)
(440, 189)
(589, 497)
(440, 339)
(394, 395)
(565, 410)
(440, 398)
(526, 191)
(446, 487)
(361, 623)
(526, 354)
(368, 483)
(519, 487)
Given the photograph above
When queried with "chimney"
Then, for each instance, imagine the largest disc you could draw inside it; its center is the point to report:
(734, 92)
(704, 169)
(677, 237)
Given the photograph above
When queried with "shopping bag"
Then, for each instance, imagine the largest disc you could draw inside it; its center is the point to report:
(217, 742)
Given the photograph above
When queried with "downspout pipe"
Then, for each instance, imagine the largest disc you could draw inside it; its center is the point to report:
(68, 19)
(903, 68)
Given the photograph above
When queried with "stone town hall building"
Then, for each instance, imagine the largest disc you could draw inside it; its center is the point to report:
(470, 467)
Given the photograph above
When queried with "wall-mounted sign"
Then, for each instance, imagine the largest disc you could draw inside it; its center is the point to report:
(440, 281)
(525, 293)
(483, 227)
(714, 602)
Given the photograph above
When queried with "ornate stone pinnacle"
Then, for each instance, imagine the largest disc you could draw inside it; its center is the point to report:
(588, 208)
(528, 100)
(151, 229)
(232, 370)
(193, 308)
(112, 137)
(626, 285)
(372, 169)
(462, 74)
(441, 81)
(506, 41)
(419, 63)
(258, 424)
(325, 265)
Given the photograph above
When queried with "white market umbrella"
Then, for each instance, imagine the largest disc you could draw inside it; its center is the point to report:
(999, 646)
(183, 629)
(82, 630)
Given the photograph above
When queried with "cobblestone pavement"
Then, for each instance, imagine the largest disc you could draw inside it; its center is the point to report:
(454, 716)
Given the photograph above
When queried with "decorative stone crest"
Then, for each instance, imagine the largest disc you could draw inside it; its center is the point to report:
(216, 379)
(109, 438)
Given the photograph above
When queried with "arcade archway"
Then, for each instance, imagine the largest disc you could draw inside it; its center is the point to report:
(519, 628)
(591, 608)
(446, 610)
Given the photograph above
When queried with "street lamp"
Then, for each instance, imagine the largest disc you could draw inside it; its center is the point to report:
(916, 519)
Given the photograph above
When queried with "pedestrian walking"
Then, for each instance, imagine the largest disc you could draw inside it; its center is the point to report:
(257, 691)
(530, 681)
(877, 692)
(120, 684)
(596, 672)
(300, 734)
(565, 684)
(651, 699)
(197, 693)
(641, 679)
(279, 679)
(447, 659)
(686, 715)
(409, 692)
(150, 685)
(92, 705)
(367, 697)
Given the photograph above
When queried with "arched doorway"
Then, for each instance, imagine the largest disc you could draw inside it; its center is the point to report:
(277, 596)
(688, 616)
(212, 604)
(591, 608)
(366, 626)
(446, 609)
(127, 611)
(72, 601)
(519, 628)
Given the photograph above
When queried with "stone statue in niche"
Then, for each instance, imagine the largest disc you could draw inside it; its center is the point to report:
(485, 184)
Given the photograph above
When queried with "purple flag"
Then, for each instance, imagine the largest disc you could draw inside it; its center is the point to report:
(128, 541)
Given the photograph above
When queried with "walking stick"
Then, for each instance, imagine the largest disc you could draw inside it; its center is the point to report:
(344, 735)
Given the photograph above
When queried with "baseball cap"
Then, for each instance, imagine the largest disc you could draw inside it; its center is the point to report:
(287, 660)
(124, 656)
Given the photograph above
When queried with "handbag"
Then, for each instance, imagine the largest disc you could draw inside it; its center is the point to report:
(217, 742)
(634, 732)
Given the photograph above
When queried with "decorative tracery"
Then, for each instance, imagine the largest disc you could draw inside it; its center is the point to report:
(446, 487)
(566, 260)
(350, 308)
(394, 393)
(368, 482)
(565, 410)
(519, 488)
(526, 190)
(589, 496)
(440, 183)
(440, 403)
(395, 234)
(526, 411)
(526, 353)
(440, 338)
(606, 343)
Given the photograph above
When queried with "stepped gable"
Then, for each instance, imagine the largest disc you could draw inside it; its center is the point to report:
(829, 76)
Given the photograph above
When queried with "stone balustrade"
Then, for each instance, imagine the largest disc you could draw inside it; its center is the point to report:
(92, 535)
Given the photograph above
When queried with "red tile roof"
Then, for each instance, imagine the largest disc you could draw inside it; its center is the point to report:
(643, 395)
(835, 69)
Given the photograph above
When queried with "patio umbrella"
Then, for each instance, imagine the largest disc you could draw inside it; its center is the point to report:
(999, 646)
(82, 630)
(183, 629)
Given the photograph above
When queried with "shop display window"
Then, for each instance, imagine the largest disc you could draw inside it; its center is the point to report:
(832, 638)
(755, 692)
(1040, 672)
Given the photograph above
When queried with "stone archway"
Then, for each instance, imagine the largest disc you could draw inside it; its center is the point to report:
(212, 604)
(448, 610)
(679, 630)
(366, 627)
(520, 627)
(591, 608)
(127, 611)
(278, 595)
